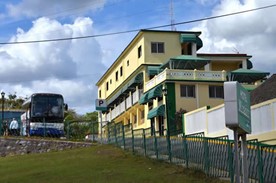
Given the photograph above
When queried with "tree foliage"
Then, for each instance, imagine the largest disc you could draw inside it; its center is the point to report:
(178, 118)
(13, 102)
(78, 126)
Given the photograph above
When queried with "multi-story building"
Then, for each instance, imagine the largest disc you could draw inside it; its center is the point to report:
(160, 74)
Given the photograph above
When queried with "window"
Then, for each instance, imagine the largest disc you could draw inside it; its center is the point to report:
(128, 63)
(121, 71)
(110, 81)
(216, 92)
(157, 47)
(100, 94)
(139, 51)
(106, 86)
(116, 75)
(187, 91)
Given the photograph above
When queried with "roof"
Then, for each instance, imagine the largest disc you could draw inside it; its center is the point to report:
(224, 55)
(266, 91)
(185, 62)
(247, 75)
(136, 37)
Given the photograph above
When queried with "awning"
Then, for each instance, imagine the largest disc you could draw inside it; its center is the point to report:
(144, 99)
(155, 92)
(249, 64)
(114, 98)
(191, 38)
(138, 79)
(153, 70)
(247, 75)
(129, 86)
(157, 111)
(188, 62)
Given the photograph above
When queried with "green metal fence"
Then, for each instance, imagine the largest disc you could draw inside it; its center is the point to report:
(81, 130)
(214, 156)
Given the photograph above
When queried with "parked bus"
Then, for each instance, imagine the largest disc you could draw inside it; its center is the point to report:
(44, 115)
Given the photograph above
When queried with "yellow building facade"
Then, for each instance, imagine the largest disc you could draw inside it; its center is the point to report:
(160, 74)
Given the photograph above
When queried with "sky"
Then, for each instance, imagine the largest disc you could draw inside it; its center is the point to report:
(72, 67)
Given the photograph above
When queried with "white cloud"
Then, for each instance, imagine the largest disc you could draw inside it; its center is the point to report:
(53, 8)
(68, 67)
(251, 33)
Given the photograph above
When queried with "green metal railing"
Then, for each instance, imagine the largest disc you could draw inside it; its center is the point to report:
(214, 156)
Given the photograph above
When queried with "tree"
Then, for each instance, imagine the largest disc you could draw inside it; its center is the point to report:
(71, 115)
(178, 119)
(12, 102)
(78, 126)
(93, 116)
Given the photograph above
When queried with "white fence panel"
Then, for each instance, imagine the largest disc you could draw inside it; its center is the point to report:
(216, 120)
(261, 119)
(195, 122)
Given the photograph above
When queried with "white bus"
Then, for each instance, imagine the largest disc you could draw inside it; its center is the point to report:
(44, 115)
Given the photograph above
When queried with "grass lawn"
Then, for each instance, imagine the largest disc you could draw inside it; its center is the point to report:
(100, 163)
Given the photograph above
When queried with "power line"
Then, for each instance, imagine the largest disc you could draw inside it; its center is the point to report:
(135, 30)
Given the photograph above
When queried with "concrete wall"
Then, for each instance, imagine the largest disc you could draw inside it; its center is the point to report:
(17, 146)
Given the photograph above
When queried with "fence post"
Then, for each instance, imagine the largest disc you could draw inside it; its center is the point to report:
(206, 155)
(155, 143)
(230, 161)
(93, 132)
(260, 163)
(144, 140)
(185, 144)
(169, 146)
(123, 131)
(132, 139)
(108, 133)
(115, 134)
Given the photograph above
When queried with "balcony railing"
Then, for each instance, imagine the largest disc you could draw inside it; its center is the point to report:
(124, 105)
(129, 101)
(174, 74)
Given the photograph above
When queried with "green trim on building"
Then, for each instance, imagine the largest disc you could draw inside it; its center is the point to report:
(157, 111)
(247, 75)
(153, 70)
(155, 92)
(188, 62)
(171, 106)
(183, 124)
(144, 99)
(129, 86)
(191, 38)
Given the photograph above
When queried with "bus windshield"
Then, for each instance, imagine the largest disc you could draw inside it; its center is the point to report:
(47, 106)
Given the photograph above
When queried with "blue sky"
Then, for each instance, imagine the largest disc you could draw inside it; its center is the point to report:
(73, 67)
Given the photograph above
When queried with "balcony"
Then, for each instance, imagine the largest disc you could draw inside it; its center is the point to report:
(124, 105)
(175, 74)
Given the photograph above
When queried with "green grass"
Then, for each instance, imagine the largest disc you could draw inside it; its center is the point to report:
(99, 163)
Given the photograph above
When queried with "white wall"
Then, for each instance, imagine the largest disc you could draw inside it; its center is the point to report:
(195, 121)
(212, 121)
